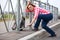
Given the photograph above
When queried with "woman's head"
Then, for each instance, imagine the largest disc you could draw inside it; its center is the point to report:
(30, 7)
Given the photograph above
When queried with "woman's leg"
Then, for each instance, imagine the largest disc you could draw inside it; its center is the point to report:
(44, 25)
(37, 22)
(46, 19)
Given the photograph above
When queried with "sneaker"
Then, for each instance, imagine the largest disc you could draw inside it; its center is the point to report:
(52, 36)
(35, 29)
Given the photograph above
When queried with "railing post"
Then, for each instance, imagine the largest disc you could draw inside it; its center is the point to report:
(18, 15)
(3, 19)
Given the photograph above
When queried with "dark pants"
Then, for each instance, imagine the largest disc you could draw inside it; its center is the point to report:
(45, 20)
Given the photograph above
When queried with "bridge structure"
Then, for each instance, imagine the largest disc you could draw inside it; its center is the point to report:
(14, 16)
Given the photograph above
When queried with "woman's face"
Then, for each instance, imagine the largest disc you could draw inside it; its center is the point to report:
(30, 7)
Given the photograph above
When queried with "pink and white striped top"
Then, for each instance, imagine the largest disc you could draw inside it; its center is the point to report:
(38, 10)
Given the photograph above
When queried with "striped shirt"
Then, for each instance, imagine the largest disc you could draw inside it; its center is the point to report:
(38, 10)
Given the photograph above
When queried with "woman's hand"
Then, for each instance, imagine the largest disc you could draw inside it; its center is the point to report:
(29, 24)
(32, 22)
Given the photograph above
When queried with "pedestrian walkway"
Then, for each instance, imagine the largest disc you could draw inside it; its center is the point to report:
(15, 35)
(52, 38)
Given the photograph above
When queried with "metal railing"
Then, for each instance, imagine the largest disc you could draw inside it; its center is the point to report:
(49, 7)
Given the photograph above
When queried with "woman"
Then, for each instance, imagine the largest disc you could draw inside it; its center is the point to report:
(40, 14)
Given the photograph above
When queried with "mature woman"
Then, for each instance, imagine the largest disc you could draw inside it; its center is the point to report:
(40, 14)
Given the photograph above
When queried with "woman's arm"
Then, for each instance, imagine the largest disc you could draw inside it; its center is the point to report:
(35, 16)
(33, 20)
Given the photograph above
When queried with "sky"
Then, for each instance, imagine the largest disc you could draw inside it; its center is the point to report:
(55, 3)
(52, 2)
